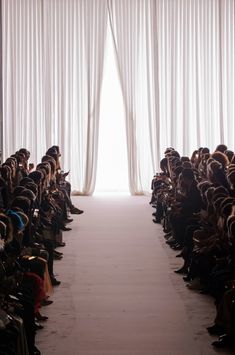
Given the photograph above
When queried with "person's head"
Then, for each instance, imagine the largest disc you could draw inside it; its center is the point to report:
(231, 179)
(231, 227)
(5, 172)
(221, 190)
(194, 157)
(12, 165)
(174, 153)
(217, 202)
(50, 160)
(187, 165)
(184, 158)
(22, 159)
(226, 207)
(221, 148)
(163, 165)
(229, 154)
(25, 181)
(209, 193)
(52, 151)
(57, 148)
(188, 175)
(23, 203)
(168, 151)
(205, 150)
(36, 176)
(11, 161)
(14, 159)
(29, 194)
(203, 186)
(32, 187)
(221, 158)
(25, 152)
(6, 229)
(17, 222)
(18, 190)
(214, 168)
(176, 173)
(43, 182)
(46, 168)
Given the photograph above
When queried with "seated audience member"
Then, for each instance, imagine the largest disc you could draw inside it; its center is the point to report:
(61, 184)
(34, 204)
(196, 206)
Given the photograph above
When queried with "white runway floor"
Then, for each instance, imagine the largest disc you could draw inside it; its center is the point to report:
(119, 294)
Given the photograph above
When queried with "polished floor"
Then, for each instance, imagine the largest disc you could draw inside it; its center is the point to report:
(119, 294)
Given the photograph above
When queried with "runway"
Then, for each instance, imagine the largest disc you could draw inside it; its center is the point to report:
(119, 294)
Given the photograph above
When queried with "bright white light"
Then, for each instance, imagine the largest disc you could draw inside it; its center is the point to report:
(112, 170)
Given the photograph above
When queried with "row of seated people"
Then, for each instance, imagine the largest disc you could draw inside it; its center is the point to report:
(195, 202)
(35, 208)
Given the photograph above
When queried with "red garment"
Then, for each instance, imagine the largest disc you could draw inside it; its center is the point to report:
(36, 284)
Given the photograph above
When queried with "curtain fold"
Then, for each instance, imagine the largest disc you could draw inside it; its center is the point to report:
(53, 64)
(176, 66)
(23, 123)
(175, 61)
(136, 53)
(196, 49)
(74, 40)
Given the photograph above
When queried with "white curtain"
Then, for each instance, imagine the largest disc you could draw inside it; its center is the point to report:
(196, 47)
(176, 66)
(133, 25)
(22, 57)
(53, 54)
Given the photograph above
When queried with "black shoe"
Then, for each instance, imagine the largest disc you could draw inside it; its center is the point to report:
(183, 270)
(36, 351)
(215, 330)
(157, 220)
(57, 252)
(41, 318)
(171, 241)
(223, 341)
(166, 230)
(176, 246)
(75, 210)
(68, 220)
(60, 244)
(179, 255)
(187, 278)
(46, 302)
(57, 257)
(54, 281)
(38, 326)
(65, 229)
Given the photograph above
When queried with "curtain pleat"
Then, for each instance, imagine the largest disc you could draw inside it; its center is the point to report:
(52, 75)
(176, 66)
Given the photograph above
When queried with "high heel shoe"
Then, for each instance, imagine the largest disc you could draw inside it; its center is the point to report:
(65, 229)
(40, 317)
(216, 330)
(46, 302)
(187, 278)
(223, 341)
(38, 326)
(182, 270)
